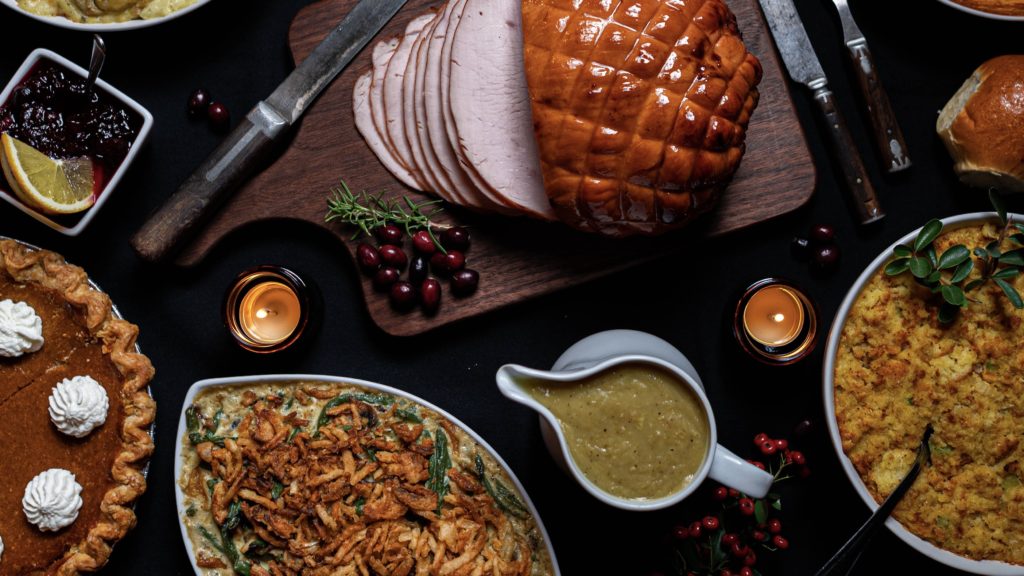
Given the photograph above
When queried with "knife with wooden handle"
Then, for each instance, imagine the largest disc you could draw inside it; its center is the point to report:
(244, 151)
(804, 67)
(888, 136)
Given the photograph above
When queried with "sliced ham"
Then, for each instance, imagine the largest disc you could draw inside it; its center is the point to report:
(361, 105)
(491, 107)
(393, 102)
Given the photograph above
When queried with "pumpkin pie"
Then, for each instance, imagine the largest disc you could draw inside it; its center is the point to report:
(82, 336)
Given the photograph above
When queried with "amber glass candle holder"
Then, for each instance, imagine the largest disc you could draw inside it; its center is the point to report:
(267, 309)
(775, 322)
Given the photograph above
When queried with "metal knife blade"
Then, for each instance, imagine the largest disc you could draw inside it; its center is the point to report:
(243, 152)
(888, 136)
(804, 67)
(794, 45)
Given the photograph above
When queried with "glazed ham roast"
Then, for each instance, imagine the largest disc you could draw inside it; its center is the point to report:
(616, 117)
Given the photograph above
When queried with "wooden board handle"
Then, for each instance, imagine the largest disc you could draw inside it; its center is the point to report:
(852, 167)
(239, 156)
(888, 136)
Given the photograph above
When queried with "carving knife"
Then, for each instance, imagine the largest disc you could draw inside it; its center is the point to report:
(804, 67)
(244, 150)
(888, 136)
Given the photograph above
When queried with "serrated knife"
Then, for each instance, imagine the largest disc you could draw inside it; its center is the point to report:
(888, 136)
(245, 148)
(803, 66)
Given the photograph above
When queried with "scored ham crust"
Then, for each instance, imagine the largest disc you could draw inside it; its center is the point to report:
(640, 108)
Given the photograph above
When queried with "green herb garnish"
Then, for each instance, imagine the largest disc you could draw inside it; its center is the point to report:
(234, 515)
(368, 211)
(193, 423)
(440, 463)
(409, 415)
(292, 434)
(360, 502)
(211, 483)
(947, 273)
(375, 399)
(276, 491)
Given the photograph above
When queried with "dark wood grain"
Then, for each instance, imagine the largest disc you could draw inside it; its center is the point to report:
(851, 165)
(517, 259)
(888, 136)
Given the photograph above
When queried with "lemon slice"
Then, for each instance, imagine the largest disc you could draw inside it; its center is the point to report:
(53, 186)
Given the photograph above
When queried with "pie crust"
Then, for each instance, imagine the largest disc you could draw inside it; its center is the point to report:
(48, 270)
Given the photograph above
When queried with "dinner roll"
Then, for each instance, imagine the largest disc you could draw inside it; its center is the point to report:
(983, 125)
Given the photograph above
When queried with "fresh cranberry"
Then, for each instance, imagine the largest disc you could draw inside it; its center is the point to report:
(756, 464)
(455, 238)
(198, 102)
(774, 526)
(781, 444)
(465, 282)
(823, 234)
(423, 243)
(393, 256)
(403, 296)
(797, 458)
(826, 257)
(218, 115)
(418, 270)
(695, 530)
(739, 549)
(384, 279)
(720, 493)
(388, 234)
(768, 448)
(368, 258)
(729, 539)
(780, 542)
(750, 558)
(761, 439)
(746, 571)
(759, 535)
(710, 523)
(449, 263)
(680, 532)
(430, 295)
(725, 572)
(746, 506)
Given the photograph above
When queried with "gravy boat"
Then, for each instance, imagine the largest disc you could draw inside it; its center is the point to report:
(601, 352)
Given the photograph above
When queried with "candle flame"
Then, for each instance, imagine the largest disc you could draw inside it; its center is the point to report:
(779, 317)
(265, 313)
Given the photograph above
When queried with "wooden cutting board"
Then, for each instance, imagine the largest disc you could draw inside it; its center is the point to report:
(517, 259)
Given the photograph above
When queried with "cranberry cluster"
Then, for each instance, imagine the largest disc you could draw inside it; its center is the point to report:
(200, 104)
(727, 542)
(444, 258)
(819, 247)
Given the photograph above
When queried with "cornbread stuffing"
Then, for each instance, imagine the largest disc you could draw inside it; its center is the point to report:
(897, 369)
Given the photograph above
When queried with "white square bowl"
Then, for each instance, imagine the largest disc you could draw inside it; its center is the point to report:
(147, 123)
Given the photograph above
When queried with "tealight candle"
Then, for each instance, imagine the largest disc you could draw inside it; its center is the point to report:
(266, 309)
(775, 322)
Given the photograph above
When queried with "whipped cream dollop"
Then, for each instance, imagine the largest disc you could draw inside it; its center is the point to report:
(21, 329)
(78, 406)
(1, 549)
(52, 500)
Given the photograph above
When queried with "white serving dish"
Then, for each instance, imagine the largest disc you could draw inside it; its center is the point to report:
(147, 123)
(923, 546)
(179, 496)
(977, 12)
(63, 22)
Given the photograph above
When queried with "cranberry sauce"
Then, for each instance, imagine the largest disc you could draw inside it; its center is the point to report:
(49, 110)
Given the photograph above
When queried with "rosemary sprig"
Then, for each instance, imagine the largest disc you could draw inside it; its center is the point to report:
(367, 211)
(947, 274)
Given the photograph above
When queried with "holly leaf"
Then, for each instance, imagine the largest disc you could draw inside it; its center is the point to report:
(759, 512)
(897, 267)
(962, 272)
(1011, 293)
(929, 232)
(954, 257)
(920, 267)
(997, 203)
(954, 295)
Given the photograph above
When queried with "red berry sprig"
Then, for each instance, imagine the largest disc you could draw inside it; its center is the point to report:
(729, 540)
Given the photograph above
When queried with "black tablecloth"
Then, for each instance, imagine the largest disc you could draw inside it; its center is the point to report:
(237, 50)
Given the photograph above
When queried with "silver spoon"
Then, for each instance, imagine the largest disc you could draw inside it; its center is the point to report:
(99, 56)
(844, 560)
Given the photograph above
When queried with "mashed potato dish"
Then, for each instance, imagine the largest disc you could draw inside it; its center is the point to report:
(104, 11)
(897, 369)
